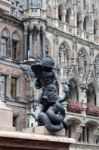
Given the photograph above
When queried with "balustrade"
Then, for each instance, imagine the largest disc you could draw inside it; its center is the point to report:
(65, 27)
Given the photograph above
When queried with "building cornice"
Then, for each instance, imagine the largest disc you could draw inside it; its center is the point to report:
(11, 20)
(71, 37)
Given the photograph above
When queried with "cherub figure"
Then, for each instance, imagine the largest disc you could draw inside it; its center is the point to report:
(53, 113)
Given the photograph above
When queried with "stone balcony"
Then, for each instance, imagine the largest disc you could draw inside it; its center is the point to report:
(5, 5)
(35, 12)
(82, 116)
(64, 27)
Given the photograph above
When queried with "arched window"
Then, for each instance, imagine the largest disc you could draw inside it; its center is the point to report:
(68, 15)
(16, 46)
(5, 43)
(91, 95)
(87, 133)
(73, 90)
(79, 20)
(73, 125)
(95, 27)
(60, 12)
(86, 23)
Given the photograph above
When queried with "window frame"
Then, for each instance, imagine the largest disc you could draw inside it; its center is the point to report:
(14, 87)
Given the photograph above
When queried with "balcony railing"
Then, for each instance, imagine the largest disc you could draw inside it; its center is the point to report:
(35, 12)
(65, 27)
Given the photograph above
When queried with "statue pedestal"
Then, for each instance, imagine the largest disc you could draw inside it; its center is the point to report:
(52, 141)
(6, 118)
(41, 130)
(27, 141)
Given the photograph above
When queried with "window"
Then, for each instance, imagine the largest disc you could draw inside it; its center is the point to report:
(13, 87)
(3, 83)
(60, 12)
(69, 131)
(16, 122)
(85, 136)
(16, 46)
(14, 50)
(4, 42)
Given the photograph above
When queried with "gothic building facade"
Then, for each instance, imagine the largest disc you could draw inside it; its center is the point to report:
(69, 31)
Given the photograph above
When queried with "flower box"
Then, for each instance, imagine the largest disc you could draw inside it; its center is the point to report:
(75, 106)
(92, 110)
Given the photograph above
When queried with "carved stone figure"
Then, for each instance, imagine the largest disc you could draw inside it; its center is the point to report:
(53, 113)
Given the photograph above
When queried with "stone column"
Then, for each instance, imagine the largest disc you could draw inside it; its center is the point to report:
(18, 88)
(44, 43)
(74, 50)
(55, 50)
(38, 43)
(42, 38)
(30, 42)
(25, 42)
(8, 86)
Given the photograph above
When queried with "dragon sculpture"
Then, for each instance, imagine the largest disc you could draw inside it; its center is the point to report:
(53, 113)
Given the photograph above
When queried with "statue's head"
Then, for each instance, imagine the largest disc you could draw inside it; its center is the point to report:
(43, 71)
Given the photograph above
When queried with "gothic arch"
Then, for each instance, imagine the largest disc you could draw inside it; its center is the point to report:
(73, 85)
(91, 122)
(64, 45)
(49, 11)
(5, 33)
(79, 19)
(91, 94)
(73, 119)
(86, 23)
(73, 123)
(95, 27)
(60, 12)
(68, 15)
(83, 52)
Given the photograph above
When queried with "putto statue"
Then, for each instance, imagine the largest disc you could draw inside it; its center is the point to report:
(53, 113)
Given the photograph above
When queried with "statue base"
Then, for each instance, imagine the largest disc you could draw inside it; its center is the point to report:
(41, 130)
(6, 118)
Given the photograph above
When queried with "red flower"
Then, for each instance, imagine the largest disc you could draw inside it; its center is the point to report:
(92, 110)
(75, 106)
